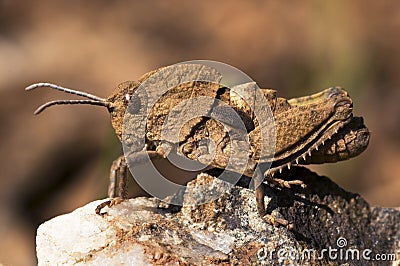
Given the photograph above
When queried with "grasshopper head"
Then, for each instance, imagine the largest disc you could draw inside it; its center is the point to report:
(118, 103)
(122, 97)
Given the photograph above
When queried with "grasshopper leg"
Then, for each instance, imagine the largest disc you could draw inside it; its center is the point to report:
(268, 217)
(275, 221)
(109, 203)
(284, 183)
(259, 193)
(119, 172)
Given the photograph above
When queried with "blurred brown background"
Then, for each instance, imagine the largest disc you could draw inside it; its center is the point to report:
(59, 160)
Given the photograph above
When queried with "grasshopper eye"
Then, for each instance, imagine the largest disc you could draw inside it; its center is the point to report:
(132, 102)
(127, 98)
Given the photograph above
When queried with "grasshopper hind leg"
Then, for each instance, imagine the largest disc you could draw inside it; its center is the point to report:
(266, 214)
(262, 211)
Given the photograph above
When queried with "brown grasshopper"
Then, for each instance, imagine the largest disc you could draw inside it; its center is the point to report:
(313, 129)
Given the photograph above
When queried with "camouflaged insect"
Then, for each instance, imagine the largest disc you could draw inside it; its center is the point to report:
(314, 129)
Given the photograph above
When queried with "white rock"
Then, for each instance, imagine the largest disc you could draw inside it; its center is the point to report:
(84, 238)
(228, 230)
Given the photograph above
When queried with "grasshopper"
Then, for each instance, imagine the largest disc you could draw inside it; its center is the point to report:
(314, 129)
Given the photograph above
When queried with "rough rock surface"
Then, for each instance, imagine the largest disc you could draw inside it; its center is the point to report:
(227, 231)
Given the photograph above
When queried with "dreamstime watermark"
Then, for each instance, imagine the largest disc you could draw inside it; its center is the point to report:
(338, 253)
(175, 101)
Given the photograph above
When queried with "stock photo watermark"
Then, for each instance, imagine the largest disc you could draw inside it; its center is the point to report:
(340, 252)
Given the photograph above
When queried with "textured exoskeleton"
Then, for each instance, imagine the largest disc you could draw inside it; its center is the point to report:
(319, 128)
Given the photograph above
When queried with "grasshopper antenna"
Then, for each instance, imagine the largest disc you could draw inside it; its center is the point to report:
(93, 100)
